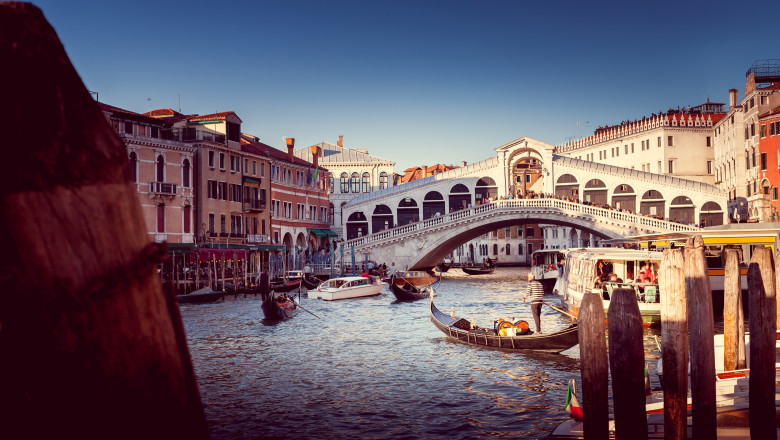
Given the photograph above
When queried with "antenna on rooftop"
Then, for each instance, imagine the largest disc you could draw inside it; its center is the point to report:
(179, 102)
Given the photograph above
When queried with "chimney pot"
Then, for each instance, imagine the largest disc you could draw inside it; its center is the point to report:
(341, 141)
(290, 147)
(733, 98)
(463, 163)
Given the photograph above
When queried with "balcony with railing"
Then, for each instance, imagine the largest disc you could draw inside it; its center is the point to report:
(255, 205)
(162, 188)
(257, 238)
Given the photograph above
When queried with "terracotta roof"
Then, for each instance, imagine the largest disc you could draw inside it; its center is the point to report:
(213, 116)
(248, 145)
(162, 113)
(127, 114)
(415, 173)
(773, 112)
(773, 86)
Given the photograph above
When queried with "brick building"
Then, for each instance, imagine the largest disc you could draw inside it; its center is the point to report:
(769, 163)
(163, 171)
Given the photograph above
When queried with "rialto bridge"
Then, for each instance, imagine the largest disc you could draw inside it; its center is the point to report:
(418, 223)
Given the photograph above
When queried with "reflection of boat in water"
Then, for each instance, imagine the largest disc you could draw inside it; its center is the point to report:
(584, 265)
(405, 291)
(346, 287)
(545, 267)
(462, 330)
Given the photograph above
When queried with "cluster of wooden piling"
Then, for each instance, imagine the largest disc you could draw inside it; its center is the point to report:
(686, 328)
(242, 275)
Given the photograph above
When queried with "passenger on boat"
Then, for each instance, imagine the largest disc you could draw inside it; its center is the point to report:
(647, 272)
(613, 277)
(392, 270)
(263, 285)
(535, 290)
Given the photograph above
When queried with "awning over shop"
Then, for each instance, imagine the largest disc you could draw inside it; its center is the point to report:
(182, 247)
(329, 232)
(318, 233)
(265, 248)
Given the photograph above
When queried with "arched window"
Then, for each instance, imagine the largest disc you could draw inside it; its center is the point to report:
(344, 182)
(134, 166)
(508, 249)
(331, 184)
(355, 183)
(160, 169)
(495, 249)
(185, 176)
(366, 183)
(382, 180)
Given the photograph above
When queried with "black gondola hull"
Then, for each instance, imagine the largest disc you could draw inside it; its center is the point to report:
(274, 312)
(550, 342)
(409, 292)
(288, 287)
(477, 270)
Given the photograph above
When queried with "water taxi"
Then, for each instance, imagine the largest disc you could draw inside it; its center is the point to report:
(584, 265)
(545, 267)
(347, 287)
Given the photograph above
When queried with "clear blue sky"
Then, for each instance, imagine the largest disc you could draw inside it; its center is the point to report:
(416, 82)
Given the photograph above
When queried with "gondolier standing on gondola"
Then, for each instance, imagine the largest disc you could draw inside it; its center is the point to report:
(536, 292)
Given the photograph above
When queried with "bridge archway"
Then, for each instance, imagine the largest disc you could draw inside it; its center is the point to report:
(357, 225)
(432, 252)
(653, 203)
(433, 203)
(524, 169)
(681, 209)
(595, 192)
(486, 189)
(382, 218)
(567, 186)
(460, 197)
(711, 214)
(408, 212)
(624, 197)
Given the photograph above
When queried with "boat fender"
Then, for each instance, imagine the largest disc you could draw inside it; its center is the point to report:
(522, 327)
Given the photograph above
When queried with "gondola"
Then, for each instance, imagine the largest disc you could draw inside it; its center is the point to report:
(285, 287)
(460, 329)
(201, 296)
(443, 267)
(311, 282)
(410, 292)
(279, 307)
(478, 270)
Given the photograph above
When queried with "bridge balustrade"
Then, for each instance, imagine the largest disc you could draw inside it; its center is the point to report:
(569, 208)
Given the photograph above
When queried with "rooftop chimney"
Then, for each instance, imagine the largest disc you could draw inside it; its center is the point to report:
(733, 99)
(290, 146)
(424, 171)
(315, 153)
(463, 163)
(340, 143)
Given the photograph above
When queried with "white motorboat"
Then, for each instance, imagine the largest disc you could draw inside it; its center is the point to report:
(347, 287)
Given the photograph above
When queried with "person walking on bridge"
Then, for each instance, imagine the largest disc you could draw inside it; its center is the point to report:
(536, 292)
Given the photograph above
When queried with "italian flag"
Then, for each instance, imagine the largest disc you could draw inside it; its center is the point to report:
(572, 406)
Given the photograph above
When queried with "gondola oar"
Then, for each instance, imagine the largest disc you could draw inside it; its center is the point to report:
(559, 310)
(312, 314)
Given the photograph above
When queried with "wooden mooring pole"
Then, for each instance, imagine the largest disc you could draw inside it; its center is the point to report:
(701, 334)
(90, 345)
(594, 370)
(627, 364)
(674, 344)
(763, 313)
(733, 315)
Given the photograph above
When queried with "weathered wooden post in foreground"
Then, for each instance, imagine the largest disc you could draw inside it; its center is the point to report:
(674, 344)
(701, 334)
(90, 347)
(593, 368)
(733, 315)
(763, 312)
(627, 364)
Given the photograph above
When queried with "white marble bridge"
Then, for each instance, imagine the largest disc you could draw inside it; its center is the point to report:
(417, 224)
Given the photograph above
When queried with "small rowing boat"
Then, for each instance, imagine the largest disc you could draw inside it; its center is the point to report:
(405, 291)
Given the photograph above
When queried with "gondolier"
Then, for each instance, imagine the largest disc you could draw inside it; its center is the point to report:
(536, 292)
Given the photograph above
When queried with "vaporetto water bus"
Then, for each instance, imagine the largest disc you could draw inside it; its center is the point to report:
(584, 265)
(744, 237)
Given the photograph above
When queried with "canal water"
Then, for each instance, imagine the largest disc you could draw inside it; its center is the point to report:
(375, 368)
